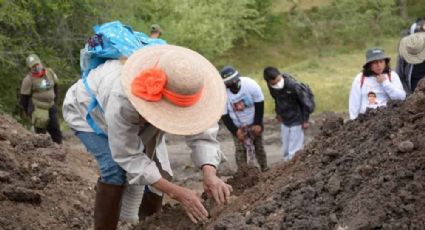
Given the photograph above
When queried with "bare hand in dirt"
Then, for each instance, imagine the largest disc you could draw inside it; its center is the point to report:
(189, 200)
(256, 129)
(381, 78)
(306, 125)
(215, 187)
(191, 204)
(279, 118)
(240, 135)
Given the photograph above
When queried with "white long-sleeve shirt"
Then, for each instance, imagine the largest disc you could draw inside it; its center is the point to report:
(359, 101)
(128, 134)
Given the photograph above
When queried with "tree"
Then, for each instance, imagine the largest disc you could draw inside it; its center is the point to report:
(57, 30)
(210, 27)
(402, 7)
(53, 30)
(346, 23)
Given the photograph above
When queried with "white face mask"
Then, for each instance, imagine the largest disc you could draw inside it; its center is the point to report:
(279, 84)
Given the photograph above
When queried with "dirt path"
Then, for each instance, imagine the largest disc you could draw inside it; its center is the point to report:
(187, 175)
(180, 157)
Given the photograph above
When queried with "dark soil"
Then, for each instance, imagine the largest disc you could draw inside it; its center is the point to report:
(42, 185)
(362, 174)
(244, 178)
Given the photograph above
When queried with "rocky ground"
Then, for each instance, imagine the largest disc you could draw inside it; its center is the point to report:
(363, 174)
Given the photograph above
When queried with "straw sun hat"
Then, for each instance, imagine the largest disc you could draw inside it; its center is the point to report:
(412, 48)
(174, 88)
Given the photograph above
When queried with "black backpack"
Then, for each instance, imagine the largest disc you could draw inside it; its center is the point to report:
(311, 105)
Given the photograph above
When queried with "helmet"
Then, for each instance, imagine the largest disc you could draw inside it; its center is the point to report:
(32, 60)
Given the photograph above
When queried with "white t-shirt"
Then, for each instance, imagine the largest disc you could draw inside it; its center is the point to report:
(240, 106)
(359, 100)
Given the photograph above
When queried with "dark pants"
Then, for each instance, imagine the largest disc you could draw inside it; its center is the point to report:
(53, 127)
(260, 154)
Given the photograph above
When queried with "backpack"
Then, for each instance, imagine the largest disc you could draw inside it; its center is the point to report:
(310, 104)
(363, 77)
(111, 40)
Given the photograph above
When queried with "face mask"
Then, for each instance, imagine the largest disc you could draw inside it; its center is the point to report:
(235, 87)
(279, 84)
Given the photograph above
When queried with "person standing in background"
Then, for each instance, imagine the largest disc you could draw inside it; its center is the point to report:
(243, 117)
(38, 98)
(293, 106)
(376, 77)
(411, 60)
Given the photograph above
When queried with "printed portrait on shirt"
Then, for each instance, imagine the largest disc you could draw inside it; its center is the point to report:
(242, 103)
(372, 101)
(371, 97)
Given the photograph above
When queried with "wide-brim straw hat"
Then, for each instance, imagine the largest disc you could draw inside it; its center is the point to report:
(186, 72)
(412, 48)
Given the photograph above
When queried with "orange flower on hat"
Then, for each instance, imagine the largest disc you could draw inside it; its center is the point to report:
(150, 84)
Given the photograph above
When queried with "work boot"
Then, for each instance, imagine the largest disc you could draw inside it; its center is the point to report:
(151, 204)
(107, 206)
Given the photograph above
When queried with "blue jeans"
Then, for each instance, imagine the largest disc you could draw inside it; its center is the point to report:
(98, 146)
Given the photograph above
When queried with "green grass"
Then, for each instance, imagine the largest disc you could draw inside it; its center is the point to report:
(330, 76)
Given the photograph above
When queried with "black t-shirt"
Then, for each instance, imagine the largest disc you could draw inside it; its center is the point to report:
(417, 74)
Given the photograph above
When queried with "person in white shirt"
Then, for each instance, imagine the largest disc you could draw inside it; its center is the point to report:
(378, 78)
(243, 117)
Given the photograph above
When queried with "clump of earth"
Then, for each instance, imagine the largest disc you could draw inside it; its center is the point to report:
(42, 185)
(362, 174)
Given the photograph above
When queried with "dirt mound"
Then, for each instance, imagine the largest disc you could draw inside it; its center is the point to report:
(244, 178)
(364, 174)
(42, 185)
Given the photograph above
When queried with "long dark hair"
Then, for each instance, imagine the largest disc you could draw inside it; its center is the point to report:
(367, 71)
